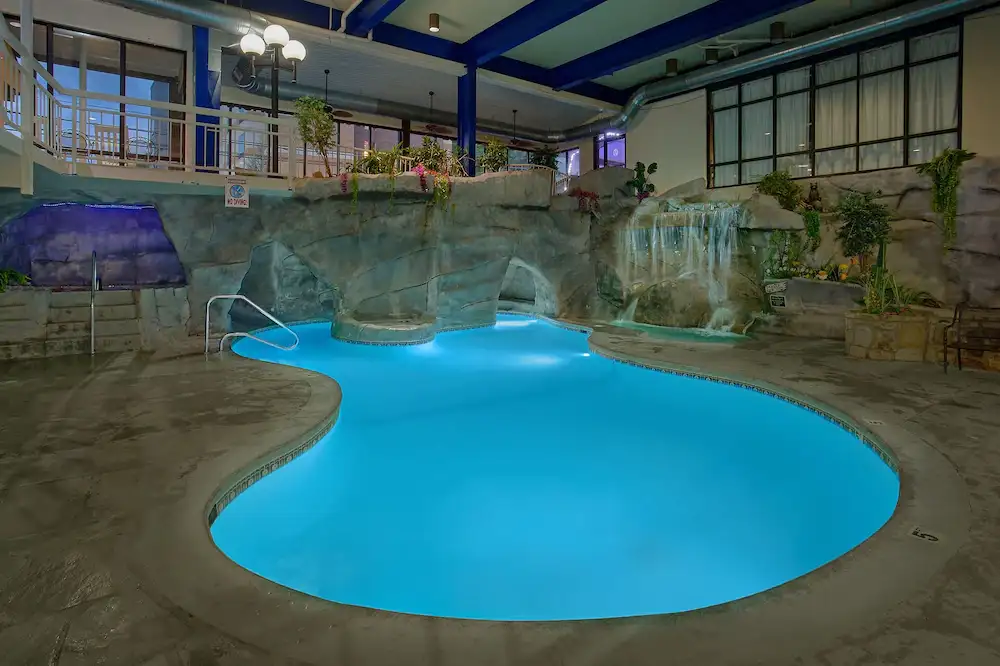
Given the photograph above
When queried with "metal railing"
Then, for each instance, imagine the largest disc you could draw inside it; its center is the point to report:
(537, 167)
(240, 297)
(93, 297)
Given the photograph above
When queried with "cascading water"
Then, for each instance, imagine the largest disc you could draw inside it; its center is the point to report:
(682, 247)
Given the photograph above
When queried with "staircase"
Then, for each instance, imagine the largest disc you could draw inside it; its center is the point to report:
(116, 322)
(38, 323)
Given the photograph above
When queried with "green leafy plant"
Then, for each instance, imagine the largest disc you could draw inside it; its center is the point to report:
(458, 162)
(494, 157)
(884, 294)
(316, 127)
(545, 157)
(10, 277)
(431, 155)
(640, 182)
(779, 184)
(442, 190)
(355, 189)
(380, 161)
(865, 224)
(812, 220)
(945, 172)
(784, 255)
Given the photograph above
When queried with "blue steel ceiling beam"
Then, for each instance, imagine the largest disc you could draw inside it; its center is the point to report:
(368, 14)
(525, 24)
(710, 21)
(421, 42)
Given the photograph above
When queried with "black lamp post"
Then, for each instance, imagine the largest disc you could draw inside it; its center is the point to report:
(275, 38)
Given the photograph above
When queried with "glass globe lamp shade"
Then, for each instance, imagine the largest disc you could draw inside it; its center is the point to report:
(294, 50)
(252, 44)
(274, 34)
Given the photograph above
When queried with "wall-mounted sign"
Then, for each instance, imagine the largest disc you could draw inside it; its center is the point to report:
(777, 300)
(237, 193)
(775, 287)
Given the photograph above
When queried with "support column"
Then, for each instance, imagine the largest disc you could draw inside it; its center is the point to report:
(207, 95)
(467, 116)
(27, 102)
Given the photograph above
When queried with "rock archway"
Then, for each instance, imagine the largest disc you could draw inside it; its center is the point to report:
(526, 289)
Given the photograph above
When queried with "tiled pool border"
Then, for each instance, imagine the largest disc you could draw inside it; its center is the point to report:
(280, 458)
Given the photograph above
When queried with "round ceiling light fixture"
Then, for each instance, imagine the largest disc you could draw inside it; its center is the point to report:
(672, 67)
(275, 35)
(711, 56)
(435, 23)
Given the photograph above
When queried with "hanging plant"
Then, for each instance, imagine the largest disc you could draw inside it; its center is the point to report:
(779, 184)
(343, 182)
(354, 192)
(442, 190)
(945, 172)
(421, 171)
(812, 221)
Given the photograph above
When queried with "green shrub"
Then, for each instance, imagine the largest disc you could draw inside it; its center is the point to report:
(779, 184)
(494, 156)
(8, 277)
(865, 224)
(945, 171)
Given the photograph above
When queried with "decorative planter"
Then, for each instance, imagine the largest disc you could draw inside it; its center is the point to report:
(811, 308)
(889, 337)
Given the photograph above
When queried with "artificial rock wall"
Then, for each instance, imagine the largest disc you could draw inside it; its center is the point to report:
(386, 255)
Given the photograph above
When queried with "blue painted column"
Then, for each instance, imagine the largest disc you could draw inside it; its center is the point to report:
(207, 94)
(467, 116)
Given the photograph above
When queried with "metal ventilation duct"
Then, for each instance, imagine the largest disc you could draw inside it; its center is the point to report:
(238, 21)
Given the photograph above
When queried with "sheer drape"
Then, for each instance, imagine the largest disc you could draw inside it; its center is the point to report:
(858, 107)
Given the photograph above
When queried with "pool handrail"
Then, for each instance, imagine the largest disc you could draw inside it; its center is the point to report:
(93, 296)
(241, 297)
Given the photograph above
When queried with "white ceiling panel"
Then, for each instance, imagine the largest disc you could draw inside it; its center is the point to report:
(602, 26)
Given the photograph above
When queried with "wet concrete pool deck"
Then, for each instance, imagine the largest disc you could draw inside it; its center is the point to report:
(107, 466)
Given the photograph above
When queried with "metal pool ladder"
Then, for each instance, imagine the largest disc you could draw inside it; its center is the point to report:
(94, 286)
(240, 297)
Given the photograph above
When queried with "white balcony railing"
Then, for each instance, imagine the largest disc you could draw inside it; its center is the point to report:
(85, 130)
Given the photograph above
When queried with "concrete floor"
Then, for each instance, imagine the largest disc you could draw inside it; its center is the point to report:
(107, 467)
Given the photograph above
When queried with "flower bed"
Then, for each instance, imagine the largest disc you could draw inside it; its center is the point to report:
(889, 337)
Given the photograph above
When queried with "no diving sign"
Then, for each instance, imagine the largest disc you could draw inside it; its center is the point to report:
(237, 193)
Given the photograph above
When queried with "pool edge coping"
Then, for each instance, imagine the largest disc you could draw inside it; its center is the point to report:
(773, 600)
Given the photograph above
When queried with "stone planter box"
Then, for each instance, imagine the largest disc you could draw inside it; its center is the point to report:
(812, 308)
(889, 337)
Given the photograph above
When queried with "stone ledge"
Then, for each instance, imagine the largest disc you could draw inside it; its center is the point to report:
(383, 332)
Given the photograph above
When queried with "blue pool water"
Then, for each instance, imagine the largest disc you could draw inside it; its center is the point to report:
(508, 474)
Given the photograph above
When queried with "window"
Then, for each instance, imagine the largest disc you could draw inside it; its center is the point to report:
(609, 150)
(567, 164)
(883, 106)
(113, 66)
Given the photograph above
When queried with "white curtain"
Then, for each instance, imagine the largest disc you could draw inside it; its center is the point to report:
(836, 115)
(841, 160)
(934, 96)
(726, 175)
(757, 138)
(725, 135)
(797, 79)
(758, 89)
(793, 123)
(725, 97)
(835, 70)
(934, 45)
(885, 57)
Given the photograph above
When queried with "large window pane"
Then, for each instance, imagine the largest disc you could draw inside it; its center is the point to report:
(885, 57)
(157, 75)
(616, 152)
(836, 161)
(726, 175)
(934, 96)
(934, 45)
(881, 155)
(882, 106)
(835, 70)
(755, 170)
(793, 123)
(725, 97)
(797, 166)
(758, 89)
(757, 137)
(385, 139)
(925, 148)
(836, 115)
(797, 79)
(725, 136)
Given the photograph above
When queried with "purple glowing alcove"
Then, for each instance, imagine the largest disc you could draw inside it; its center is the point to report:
(53, 244)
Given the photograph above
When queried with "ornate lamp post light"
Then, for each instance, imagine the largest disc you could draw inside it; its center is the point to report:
(275, 37)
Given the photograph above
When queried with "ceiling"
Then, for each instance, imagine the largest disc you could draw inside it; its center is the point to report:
(543, 45)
